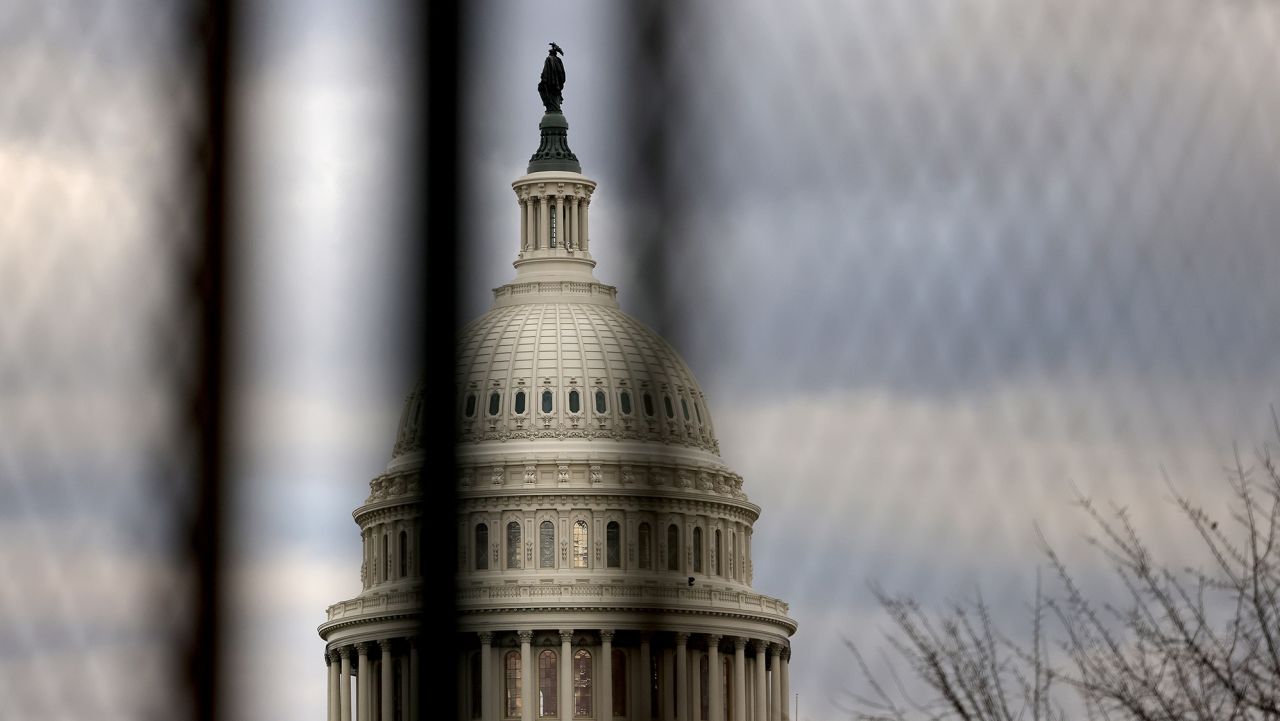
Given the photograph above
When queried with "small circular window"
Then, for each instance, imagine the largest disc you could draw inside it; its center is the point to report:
(575, 401)
(495, 403)
(519, 403)
(546, 401)
(600, 407)
(624, 402)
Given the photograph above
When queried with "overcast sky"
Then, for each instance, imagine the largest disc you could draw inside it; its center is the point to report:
(934, 264)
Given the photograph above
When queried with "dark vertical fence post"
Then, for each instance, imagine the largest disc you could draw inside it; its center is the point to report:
(438, 230)
(208, 409)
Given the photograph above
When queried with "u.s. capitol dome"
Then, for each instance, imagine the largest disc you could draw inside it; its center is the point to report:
(604, 567)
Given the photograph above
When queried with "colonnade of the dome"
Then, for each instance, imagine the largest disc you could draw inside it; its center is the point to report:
(373, 680)
(553, 211)
(530, 673)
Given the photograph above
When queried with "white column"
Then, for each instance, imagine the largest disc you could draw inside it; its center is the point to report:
(565, 668)
(560, 221)
(363, 686)
(575, 240)
(762, 700)
(486, 676)
(682, 675)
(544, 224)
(583, 206)
(388, 694)
(695, 685)
(524, 224)
(775, 683)
(344, 685)
(646, 673)
(786, 683)
(526, 675)
(413, 680)
(331, 670)
(606, 670)
(715, 680)
(530, 239)
(739, 679)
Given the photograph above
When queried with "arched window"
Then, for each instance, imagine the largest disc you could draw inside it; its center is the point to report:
(575, 401)
(648, 404)
(476, 686)
(547, 545)
(495, 403)
(546, 401)
(471, 405)
(673, 547)
(404, 554)
(684, 407)
(482, 547)
(513, 544)
(519, 404)
(645, 543)
(511, 689)
(624, 402)
(582, 684)
(548, 704)
(580, 544)
(704, 686)
(619, 682)
(600, 406)
(697, 550)
(613, 545)
(666, 404)
(719, 560)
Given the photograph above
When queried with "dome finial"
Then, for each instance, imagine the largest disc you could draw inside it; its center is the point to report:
(553, 151)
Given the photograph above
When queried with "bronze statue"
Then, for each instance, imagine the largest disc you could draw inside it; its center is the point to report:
(552, 82)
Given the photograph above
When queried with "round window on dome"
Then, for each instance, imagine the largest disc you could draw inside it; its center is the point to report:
(495, 403)
(648, 404)
(546, 401)
(624, 402)
(575, 402)
(519, 403)
(666, 402)
(600, 406)
(470, 410)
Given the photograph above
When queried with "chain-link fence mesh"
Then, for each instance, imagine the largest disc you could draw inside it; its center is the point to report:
(936, 265)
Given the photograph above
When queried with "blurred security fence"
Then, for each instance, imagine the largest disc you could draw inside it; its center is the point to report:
(934, 262)
(110, 160)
